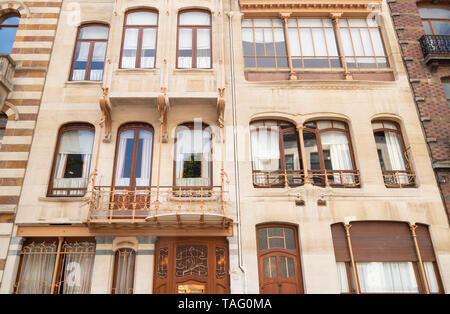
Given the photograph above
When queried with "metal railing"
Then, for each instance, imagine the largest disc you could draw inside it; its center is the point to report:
(111, 204)
(436, 45)
(399, 178)
(7, 68)
(335, 178)
(278, 178)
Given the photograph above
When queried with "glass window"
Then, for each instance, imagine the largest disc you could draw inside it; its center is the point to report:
(193, 156)
(73, 161)
(139, 43)
(90, 53)
(194, 40)
(435, 20)
(8, 30)
(123, 282)
(3, 121)
(446, 86)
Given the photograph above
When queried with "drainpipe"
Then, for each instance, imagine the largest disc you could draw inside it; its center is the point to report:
(236, 162)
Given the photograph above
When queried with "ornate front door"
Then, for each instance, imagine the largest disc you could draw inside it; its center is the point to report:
(191, 265)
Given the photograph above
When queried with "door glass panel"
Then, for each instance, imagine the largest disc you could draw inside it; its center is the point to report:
(262, 239)
(289, 236)
(287, 268)
(270, 267)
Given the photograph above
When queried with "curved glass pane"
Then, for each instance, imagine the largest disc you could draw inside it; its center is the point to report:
(94, 32)
(142, 18)
(195, 18)
(276, 237)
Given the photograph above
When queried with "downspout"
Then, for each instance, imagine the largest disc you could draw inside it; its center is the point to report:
(235, 146)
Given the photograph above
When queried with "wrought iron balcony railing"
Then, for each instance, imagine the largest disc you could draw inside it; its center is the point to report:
(435, 47)
(399, 178)
(7, 68)
(278, 178)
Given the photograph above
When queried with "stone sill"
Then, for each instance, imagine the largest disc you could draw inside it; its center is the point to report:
(66, 199)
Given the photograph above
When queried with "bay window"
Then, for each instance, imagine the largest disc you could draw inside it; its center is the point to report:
(90, 52)
(194, 40)
(72, 161)
(392, 154)
(139, 42)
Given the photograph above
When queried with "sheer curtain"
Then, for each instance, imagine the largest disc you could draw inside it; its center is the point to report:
(197, 143)
(431, 276)
(340, 154)
(78, 142)
(78, 266)
(146, 140)
(185, 48)
(148, 48)
(203, 48)
(387, 277)
(265, 151)
(394, 147)
(130, 48)
(124, 150)
(98, 61)
(81, 59)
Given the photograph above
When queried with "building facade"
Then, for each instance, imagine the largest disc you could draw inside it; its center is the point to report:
(226, 147)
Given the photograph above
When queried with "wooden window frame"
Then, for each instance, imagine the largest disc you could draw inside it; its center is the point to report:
(116, 269)
(278, 251)
(92, 43)
(136, 127)
(62, 129)
(141, 29)
(281, 149)
(429, 20)
(194, 38)
(191, 126)
(57, 271)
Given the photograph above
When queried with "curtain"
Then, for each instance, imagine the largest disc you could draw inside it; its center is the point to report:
(203, 48)
(185, 48)
(98, 61)
(130, 48)
(195, 18)
(75, 142)
(195, 143)
(343, 279)
(143, 178)
(81, 59)
(340, 155)
(265, 152)
(148, 48)
(395, 152)
(78, 265)
(125, 260)
(122, 152)
(387, 277)
(431, 276)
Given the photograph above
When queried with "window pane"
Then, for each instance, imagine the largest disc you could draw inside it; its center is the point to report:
(291, 149)
(337, 144)
(130, 48)
(446, 86)
(124, 276)
(195, 18)
(148, 48)
(312, 157)
(94, 32)
(431, 276)
(390, 151)
(81, 59)
(77, 266)
(287, 268)
(98, 61)
(290, 239)
(203, 48)
(426, 26)
(436, 13)
(441, 27)
(343, 279)
(185, 48)
(124, 158)
(265, 148)
(270, 267)
(7, 37)
(247, 42)
(142, 18)
(144, 158)
(262, 239)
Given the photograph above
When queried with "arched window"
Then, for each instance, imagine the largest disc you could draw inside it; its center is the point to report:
(139, 39)
(124, 264)
(194, 39)
(90, 53)
(385, 257)
(275, 154)
(8, 29)
(193, 149)
(279, 259)
(435, 20)
(328, 150)
(72, 161)
(392, 154)
(3, 121)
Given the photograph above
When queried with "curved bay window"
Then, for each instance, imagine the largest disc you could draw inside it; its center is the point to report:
(279, 260)
(435, 20)
(392, 154)
(139, 40)
(72, 160)
(275, 154)
(193, 161)
(124, 264)
(385, 258)
(90, 52)
(194, 39)
(329, 154)
(8, 28)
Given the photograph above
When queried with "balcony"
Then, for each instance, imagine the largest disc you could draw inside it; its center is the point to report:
(399, 178)
(435, 49)
(7, 67)
(158, 207)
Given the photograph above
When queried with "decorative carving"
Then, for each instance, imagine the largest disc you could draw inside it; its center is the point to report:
(106, 115)
(163, 106)
(163, 262)
(220, 263)
(221, 107)
(192, 260)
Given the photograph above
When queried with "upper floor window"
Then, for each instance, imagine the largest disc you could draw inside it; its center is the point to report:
(193, 162)
(435, 20)
(446, 86)
(139, 40)
(90, 53)
(8, 30)
(72, 162)
(194, 39)
(392, 154)
(3, 121)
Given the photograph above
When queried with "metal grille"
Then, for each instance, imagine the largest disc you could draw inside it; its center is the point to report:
(192, 260)
(124, 271)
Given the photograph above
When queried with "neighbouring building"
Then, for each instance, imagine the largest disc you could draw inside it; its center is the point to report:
(206, 146)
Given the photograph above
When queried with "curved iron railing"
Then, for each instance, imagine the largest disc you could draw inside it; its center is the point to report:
(435, 45)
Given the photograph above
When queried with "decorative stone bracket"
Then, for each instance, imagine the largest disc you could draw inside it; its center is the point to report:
(105, 107)
(221, 108)
(163, 107)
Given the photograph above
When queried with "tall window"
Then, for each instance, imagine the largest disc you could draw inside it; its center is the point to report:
(392, 154)
(194, 39)
(90, 53)
(264, 43)
(193, 162)
(52, 267)
(276, 154)
(385, 257)
(134, 155)
(435, 20)
(3, 121)
(72, 160)
(8, 30)
(279, 260)
(124, 264)
(328, 149)
(139, 43)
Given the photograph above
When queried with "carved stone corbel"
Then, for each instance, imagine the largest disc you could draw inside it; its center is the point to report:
(163, 106)
(106, 115)
(221, 108)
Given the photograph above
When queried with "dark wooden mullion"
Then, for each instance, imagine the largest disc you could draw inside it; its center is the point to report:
(194, 47)
(139, 47)
(89, 62)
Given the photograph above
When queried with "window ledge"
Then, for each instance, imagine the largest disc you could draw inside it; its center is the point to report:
(93, 83)
(333, 70)
(193, 70)
(136, 71)
(66, 199)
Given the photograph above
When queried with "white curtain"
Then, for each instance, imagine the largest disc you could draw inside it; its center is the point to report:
(143, 178)
(98, 61)
(265, 148)
(82, 56)
(340, 154)
(203, 48)
(185, 48)
(195, 18)
(148, 48)
(130, 48)
(387, 277)
(75, 142)
(198, 143)
(395, 152)
(120, 180)
(431, 276)
(343, 279)
(79, 261)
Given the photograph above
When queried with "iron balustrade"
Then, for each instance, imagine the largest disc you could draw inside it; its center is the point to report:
(435, 45)
(399, 178)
